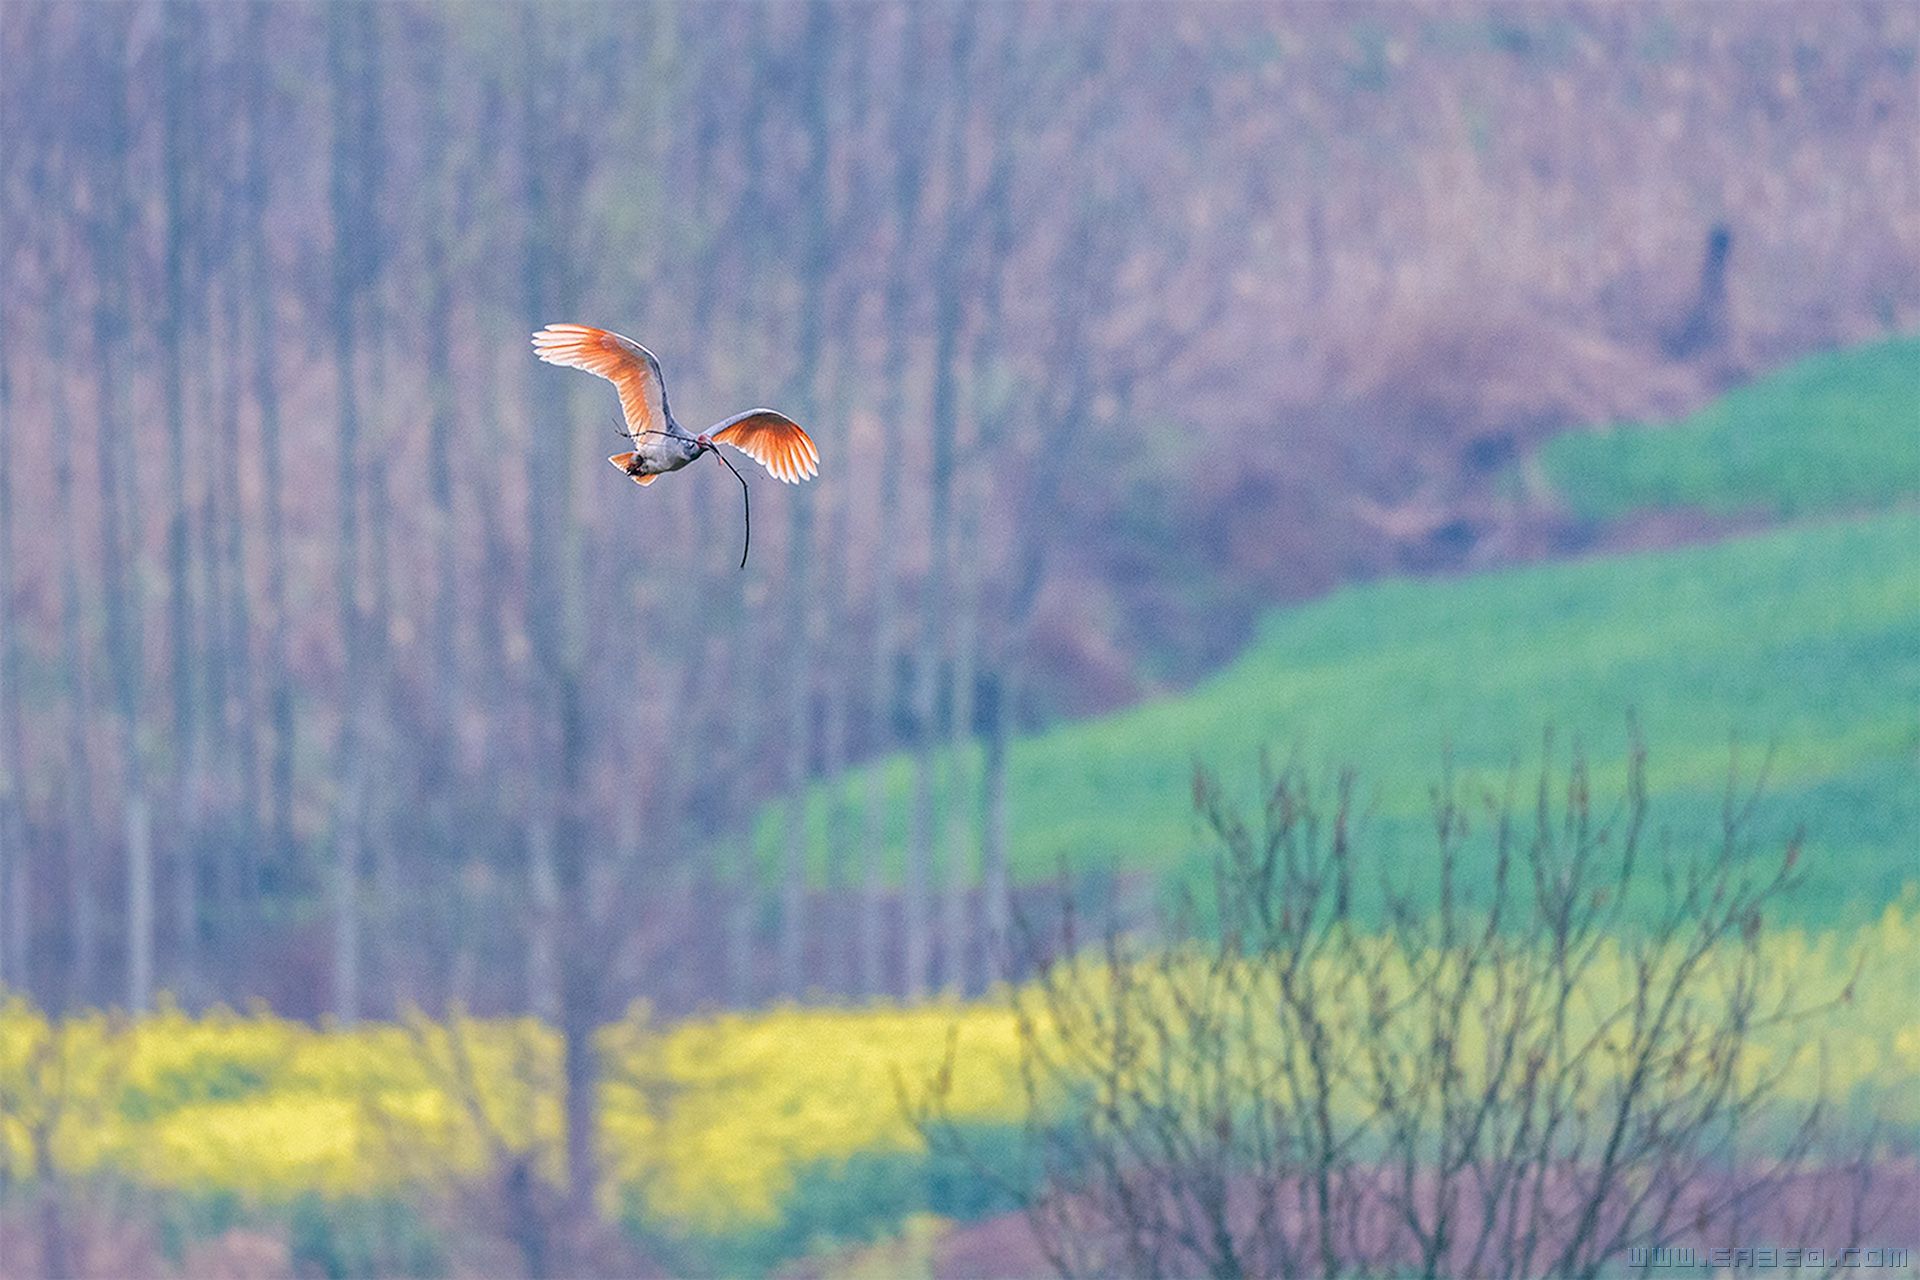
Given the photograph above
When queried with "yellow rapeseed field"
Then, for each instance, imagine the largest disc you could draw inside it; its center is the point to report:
(709, 1121)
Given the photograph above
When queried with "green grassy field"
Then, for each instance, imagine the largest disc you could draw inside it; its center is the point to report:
(1801, 643)
(1805, 640)
(1840, 430)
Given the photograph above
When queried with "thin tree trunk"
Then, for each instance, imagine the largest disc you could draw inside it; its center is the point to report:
(871, 929)
(242, 717)
(213, 798)
(349, 806)
(996, 906)
(909, 141)
(440, 777)
(962, 865)
(742, 704)
(873, 836)
(388, 896)
(991, 420)
(761, 699)
(542, 598)
(121, 539)
(214, 795)
(846, 929)
(815, 265)
(497, 678)
(75, 678)
(797, 739)
(376, 744)
(837, 975)
(217, 501)
(583, 977)
(178, 46)
(793, 863)
(15, 877)
(741, 903)
(558, 645)
(917, 942)
(949, 312)
(543, 908)
(273, 466)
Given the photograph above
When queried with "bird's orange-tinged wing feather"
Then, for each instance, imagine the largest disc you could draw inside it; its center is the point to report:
(629, 366)
(773, 440)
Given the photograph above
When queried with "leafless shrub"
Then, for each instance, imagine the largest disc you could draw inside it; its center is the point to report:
(57, 1082)
(489, 1134)
(480, 1133)
(1326, 1065)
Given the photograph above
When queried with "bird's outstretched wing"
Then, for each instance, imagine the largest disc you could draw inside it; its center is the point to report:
(629, 366)
(773, 440)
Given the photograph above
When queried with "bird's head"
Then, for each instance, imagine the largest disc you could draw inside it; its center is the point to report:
(704, 441)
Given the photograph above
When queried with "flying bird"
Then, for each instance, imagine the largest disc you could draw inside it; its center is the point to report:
(661, 444)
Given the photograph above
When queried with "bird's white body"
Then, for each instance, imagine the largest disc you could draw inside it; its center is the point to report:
(657, 454)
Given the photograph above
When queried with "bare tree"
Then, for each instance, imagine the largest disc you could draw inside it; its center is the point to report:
(1327, 1065)
(497, 1166)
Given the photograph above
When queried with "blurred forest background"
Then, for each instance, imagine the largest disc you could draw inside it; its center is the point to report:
(1186, 379)
(339, 671)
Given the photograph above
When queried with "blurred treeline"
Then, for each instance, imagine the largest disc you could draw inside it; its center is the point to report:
(340, 670)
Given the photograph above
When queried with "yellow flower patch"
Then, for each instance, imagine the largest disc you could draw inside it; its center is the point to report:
(709, 1121)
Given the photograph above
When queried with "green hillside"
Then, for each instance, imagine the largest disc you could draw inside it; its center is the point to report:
(1803, 642)
(1839, 430)
(1806, 639)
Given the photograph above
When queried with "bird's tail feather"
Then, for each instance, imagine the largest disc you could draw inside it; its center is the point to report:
(625, 460)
